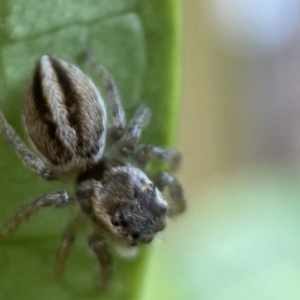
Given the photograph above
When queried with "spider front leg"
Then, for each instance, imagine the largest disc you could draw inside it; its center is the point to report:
(28, 158)
(57, 199)
(67, 243)
(172, 191)
(85, 191)
(100, 247)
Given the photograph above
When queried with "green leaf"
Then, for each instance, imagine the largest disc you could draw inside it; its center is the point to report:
(138, 42)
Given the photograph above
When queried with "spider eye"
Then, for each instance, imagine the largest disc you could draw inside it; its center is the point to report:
(114, 222)
(123, 220)
(135, 235)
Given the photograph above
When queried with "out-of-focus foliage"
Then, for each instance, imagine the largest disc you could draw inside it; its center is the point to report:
(242, 242)
(240, 138)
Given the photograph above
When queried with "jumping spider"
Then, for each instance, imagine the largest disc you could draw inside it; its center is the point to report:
(65, 118)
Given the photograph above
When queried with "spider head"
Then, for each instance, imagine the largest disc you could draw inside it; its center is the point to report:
(129, 205)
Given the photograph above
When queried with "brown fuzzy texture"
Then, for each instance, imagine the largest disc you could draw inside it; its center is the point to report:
(64, 115)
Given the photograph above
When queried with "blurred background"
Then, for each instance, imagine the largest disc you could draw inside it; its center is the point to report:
(239, 132)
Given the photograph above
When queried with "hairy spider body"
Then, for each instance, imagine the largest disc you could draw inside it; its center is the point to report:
(64, 115)
(65, 118)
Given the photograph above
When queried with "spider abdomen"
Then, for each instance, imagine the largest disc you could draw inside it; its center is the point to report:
(64, 115)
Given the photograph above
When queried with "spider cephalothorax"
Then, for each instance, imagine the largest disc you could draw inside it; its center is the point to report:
(65, 118)
(129, 205)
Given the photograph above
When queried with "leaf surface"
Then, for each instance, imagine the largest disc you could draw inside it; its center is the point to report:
(138, 42)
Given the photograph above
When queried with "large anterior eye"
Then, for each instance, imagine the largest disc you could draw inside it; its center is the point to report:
(135, 235)
(115, 222)
(124, 221)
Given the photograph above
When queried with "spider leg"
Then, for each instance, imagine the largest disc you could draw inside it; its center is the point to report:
(118, 113)
(145, 153)
(133, 132)
(28, 158)
(172, 191)
(57, 199)
(96, 240)
(67, 242)
(100, 247)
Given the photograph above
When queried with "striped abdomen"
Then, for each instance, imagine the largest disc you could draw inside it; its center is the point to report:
(64, 115)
